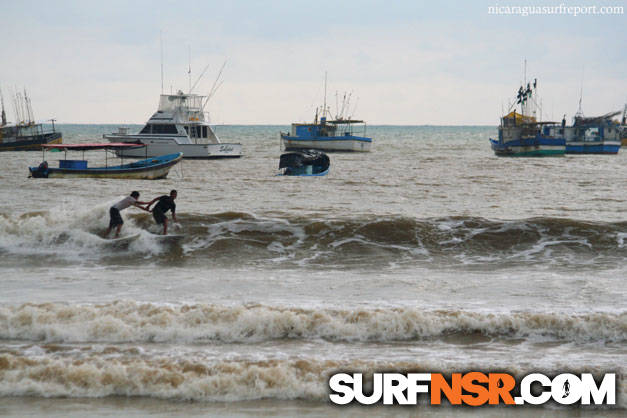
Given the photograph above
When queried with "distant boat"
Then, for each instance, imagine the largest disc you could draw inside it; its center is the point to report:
(623, 127)
(148, 169)
(178, 125)
(328, 135)
(340, 134)
(304, 163)
(26, 134)
(593, 135)
(522, 135)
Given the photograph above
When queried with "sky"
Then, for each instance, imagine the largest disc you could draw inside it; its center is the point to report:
(403, 62)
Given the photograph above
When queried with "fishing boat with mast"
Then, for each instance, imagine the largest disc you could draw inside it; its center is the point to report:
(593, 135)
(180, 124)
(26, 134)
(623, 127)
(343, 133)
(522, 134)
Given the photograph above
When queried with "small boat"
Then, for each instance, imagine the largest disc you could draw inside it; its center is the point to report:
(328, 135)
(522, 135)
(304, 163)
(178, 125)
(593, 135)
(340, 134)
(623, 127)
(147, 169)
(26, 134)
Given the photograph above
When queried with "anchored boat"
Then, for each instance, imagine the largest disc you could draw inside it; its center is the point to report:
(623, 127)
(522, 135)
(340, 134)
(25, 134)
(328, 135)
(304, 163)
(147, 169)
(178, 125)
(593, 135)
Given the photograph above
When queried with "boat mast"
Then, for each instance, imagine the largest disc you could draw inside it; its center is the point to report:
(4, 115)
(161, 47)
(579, 109)
(189, 71)
(29, 108)
(324, 109)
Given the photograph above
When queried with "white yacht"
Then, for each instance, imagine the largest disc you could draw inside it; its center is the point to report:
(179, 125)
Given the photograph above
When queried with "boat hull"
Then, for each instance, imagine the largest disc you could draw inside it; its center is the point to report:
(592, 147)
(162, 146)
(535, 147)
(32, 143)
(338, 143)
(151, 169)
(322, 173)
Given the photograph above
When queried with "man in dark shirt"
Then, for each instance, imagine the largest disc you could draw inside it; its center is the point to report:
(165, 203)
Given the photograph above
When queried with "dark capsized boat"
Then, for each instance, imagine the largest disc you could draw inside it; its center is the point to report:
(304, 163)
(147, 169)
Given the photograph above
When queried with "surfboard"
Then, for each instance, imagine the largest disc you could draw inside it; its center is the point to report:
(169, 237)
(122, 240)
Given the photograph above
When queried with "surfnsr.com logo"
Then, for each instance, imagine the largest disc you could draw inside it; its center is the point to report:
(473, 389)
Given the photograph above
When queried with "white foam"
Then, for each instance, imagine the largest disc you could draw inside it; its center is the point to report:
(145, 322)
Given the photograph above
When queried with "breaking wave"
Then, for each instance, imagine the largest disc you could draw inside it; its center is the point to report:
(134, 322)
(233, 237)
(97, 375)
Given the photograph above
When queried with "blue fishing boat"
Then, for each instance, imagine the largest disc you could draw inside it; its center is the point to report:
(593, 135)
(328, 135)
(304, 163)
(339, 134)
(522, 135)
(146, 169)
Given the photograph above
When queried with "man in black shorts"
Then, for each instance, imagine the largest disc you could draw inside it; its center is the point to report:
(165, 204)
(115, 219)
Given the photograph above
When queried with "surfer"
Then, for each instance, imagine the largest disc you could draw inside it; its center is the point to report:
(165, 204)
(115, 220)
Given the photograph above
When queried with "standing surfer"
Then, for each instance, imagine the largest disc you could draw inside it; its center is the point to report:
(165, 204)
(115, 220)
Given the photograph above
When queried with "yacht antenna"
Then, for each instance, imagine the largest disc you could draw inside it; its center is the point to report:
(199, 78)
(324, 109)
(215, 86)
(189, 71)
(161, 48)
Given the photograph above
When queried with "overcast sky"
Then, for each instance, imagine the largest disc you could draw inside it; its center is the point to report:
(406, 62)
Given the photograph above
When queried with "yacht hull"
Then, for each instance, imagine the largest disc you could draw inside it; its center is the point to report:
(156, 147)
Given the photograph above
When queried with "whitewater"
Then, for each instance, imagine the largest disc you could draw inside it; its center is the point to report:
(427, 254)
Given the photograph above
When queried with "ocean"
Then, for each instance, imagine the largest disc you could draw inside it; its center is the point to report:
(427, 254)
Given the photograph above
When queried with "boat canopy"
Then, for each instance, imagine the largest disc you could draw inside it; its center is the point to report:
(305, 157)
(93, 146)
(343, 121)
(518, 118)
